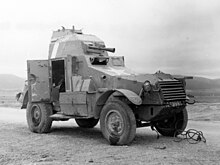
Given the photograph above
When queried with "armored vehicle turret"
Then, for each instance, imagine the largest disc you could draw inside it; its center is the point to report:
(81, 80)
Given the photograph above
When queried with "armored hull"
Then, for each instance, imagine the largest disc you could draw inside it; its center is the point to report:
(80, 80)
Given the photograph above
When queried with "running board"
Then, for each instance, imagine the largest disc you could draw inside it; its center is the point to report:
(59, 116)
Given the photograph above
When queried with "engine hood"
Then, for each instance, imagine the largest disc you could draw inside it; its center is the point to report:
(125, 73)
(152, 78)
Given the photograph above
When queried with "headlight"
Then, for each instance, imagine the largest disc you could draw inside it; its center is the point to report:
(147, 86)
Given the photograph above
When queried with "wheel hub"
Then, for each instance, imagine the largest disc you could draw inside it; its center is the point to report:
(114, 122)
(36, 115)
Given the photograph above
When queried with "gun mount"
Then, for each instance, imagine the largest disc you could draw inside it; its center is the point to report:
(101, 48)
(73, 42)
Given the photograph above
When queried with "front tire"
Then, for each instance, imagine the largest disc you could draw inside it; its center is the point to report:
(87, 123)
(174, 125)
(117, 122)
(38, 117)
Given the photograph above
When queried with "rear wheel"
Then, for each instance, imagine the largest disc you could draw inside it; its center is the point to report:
(87, 123)
(117, 122)
(38, 117)
(174, 125)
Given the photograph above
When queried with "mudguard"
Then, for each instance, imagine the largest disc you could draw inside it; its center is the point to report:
(131, 96)
(24, 100)
(22, 97)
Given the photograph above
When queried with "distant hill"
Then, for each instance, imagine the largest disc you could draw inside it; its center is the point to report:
(9, 82)
(201, 83)
(203, 87)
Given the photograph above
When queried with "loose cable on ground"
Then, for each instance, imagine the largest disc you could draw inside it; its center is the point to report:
(192, 136)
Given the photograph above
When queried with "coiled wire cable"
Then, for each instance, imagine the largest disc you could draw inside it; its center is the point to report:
(192, 136)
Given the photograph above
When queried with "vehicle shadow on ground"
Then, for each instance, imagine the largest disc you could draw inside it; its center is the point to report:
(77, 132)
(94, 134)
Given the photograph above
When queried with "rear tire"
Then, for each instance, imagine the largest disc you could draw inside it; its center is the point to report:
(174, 125)
(38, 117)
(117, 122)
(87, 123)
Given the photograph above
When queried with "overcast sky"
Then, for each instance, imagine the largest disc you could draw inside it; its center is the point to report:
(174, 36)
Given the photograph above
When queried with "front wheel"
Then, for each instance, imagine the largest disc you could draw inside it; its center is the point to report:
(174, 125)
(117, 122)
(87, 123)
(38, 117)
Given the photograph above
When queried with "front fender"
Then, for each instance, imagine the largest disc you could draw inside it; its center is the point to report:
(22, 97)
(131, 96)
(24, 100)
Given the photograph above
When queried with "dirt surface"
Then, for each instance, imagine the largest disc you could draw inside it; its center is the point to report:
(69, 144)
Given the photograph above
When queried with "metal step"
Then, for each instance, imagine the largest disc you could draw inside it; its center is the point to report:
(59, 116)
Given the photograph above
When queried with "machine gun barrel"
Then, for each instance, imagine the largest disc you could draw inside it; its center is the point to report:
(101, 48)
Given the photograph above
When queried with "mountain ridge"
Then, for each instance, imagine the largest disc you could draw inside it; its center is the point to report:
(202, 83)
(10, 81)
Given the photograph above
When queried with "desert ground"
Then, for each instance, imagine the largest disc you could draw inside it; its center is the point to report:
(69, 144)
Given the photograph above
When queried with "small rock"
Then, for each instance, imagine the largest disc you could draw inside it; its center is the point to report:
(161, 147)
(91, 161)
(44, 156)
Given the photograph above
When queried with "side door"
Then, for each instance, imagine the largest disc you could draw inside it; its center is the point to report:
(74, 100)
(38, 80)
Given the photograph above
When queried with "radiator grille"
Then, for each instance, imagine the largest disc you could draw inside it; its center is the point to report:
(172, 90)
